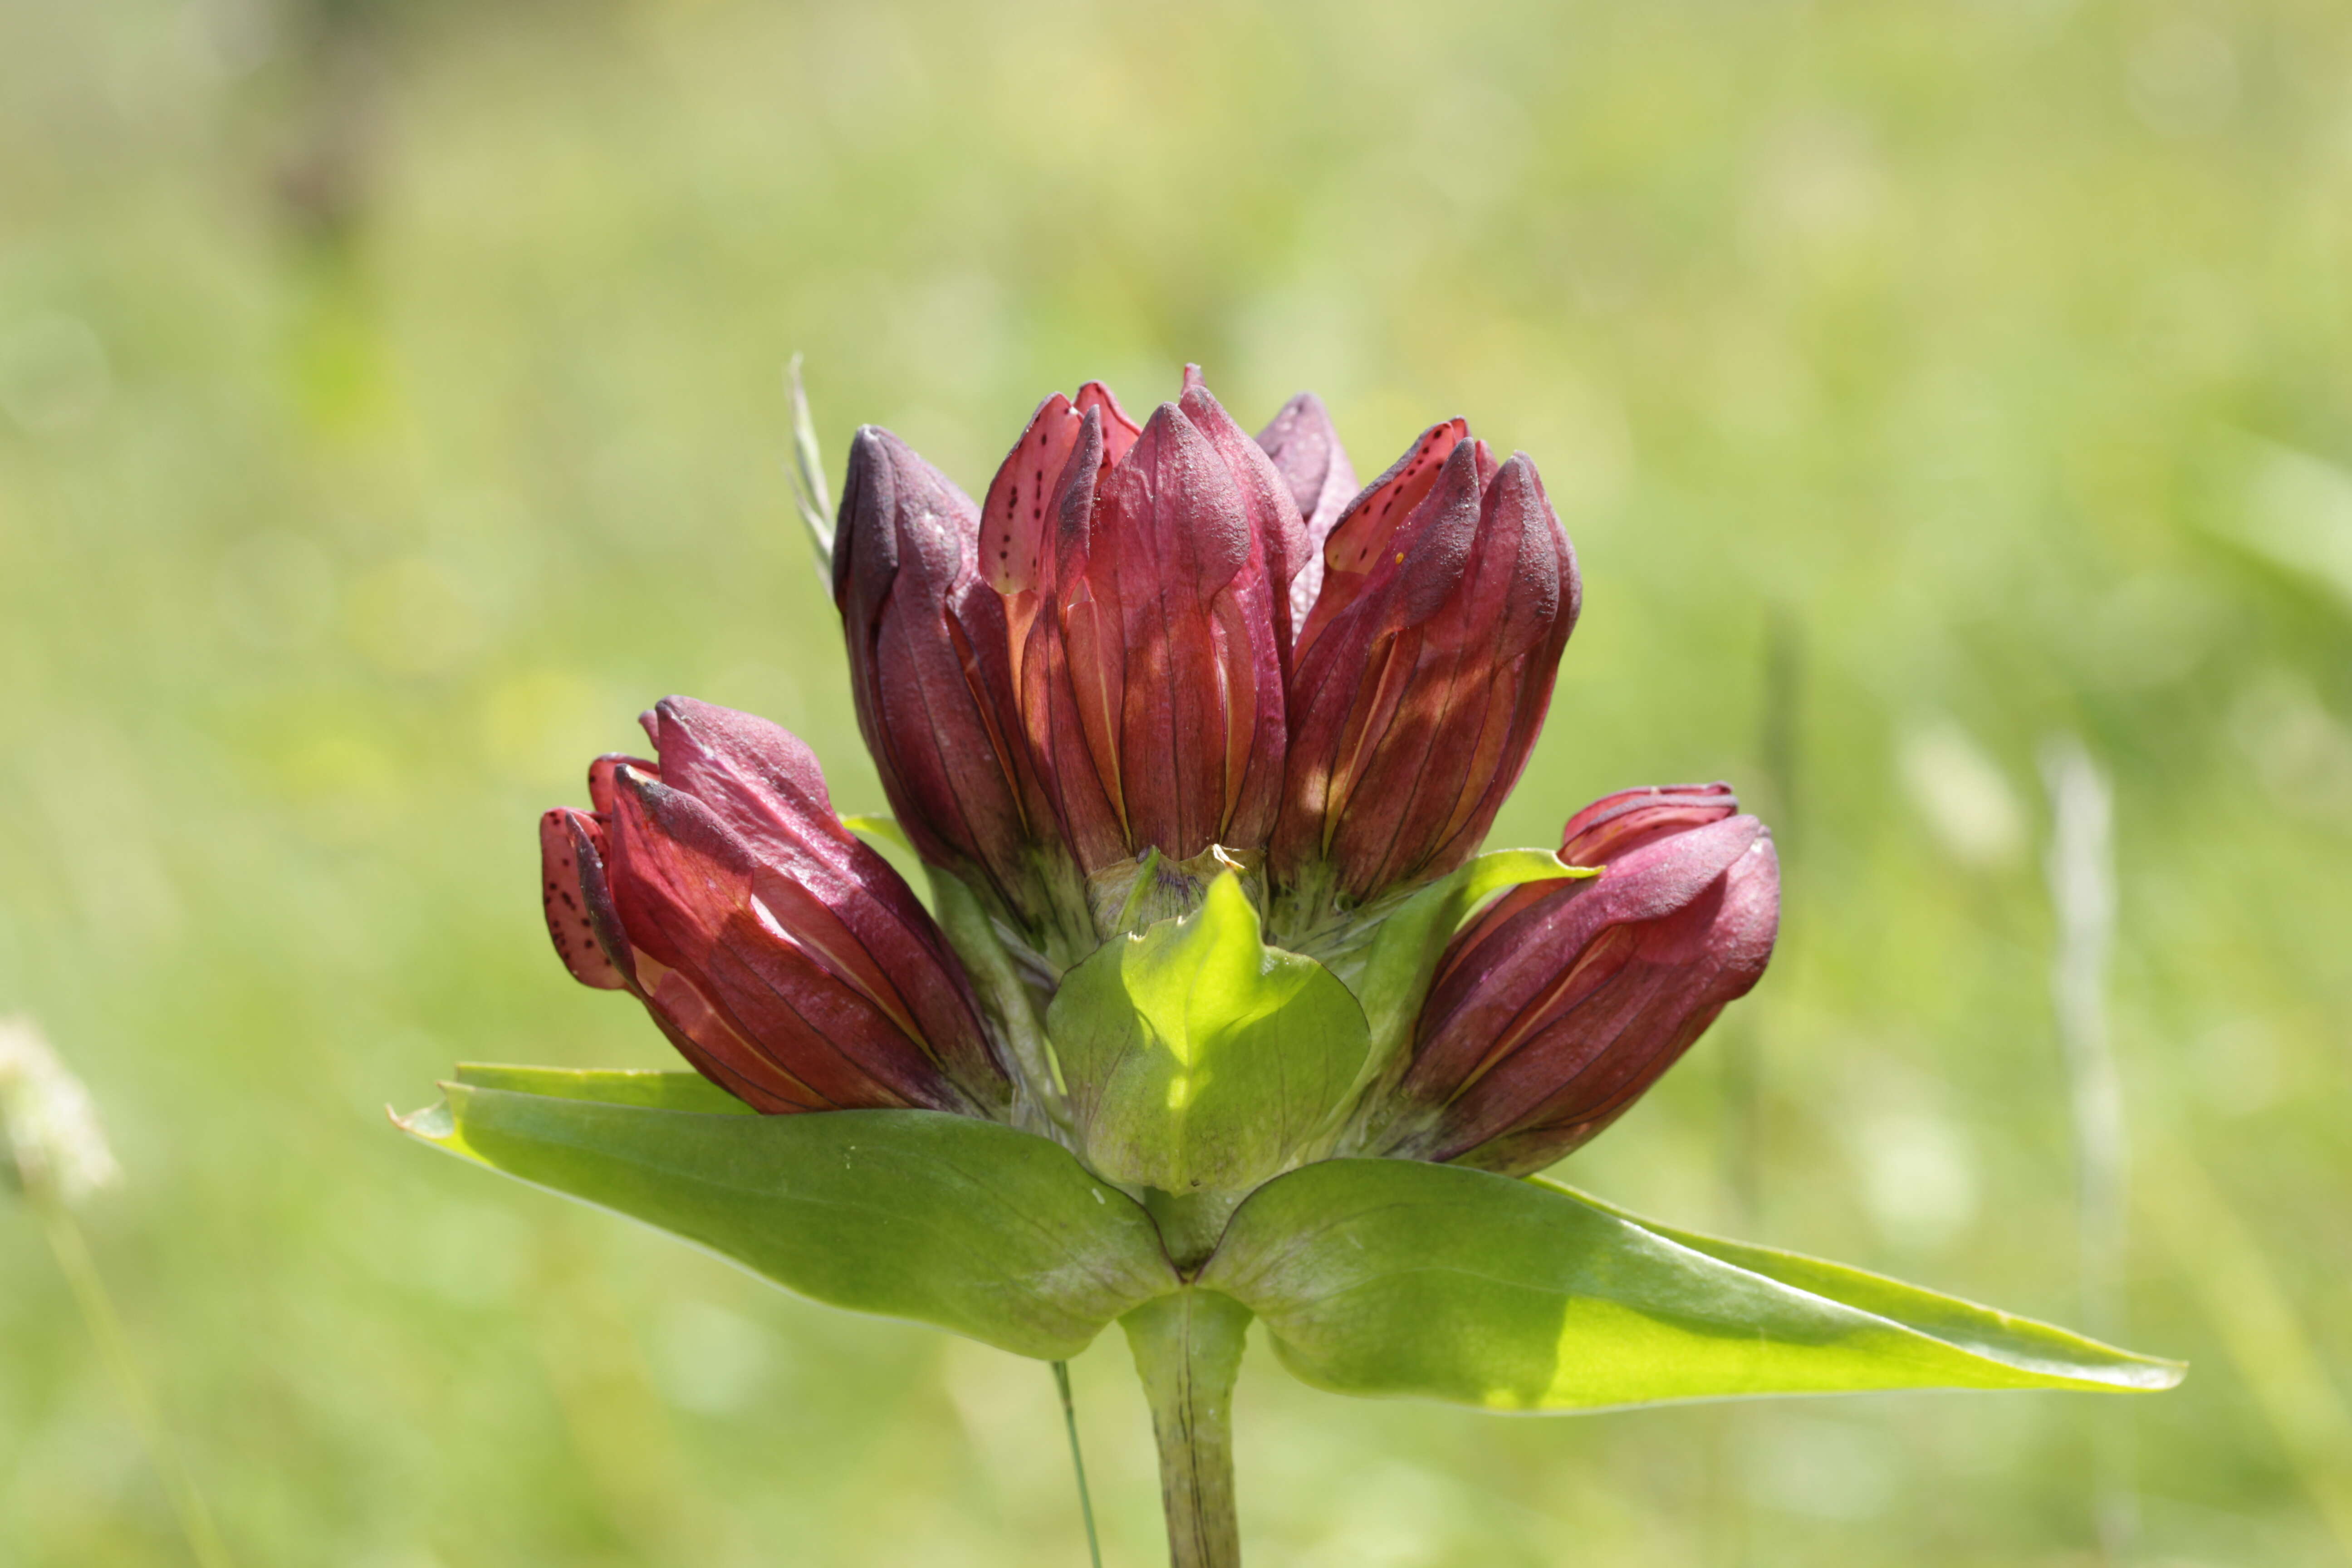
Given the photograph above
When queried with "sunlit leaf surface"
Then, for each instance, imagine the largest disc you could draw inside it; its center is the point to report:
(1199, 1056)
(946, 1220)
(1390, 1277)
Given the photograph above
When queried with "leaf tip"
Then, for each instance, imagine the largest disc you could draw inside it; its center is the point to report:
(435, 1124)
(2154, 1374)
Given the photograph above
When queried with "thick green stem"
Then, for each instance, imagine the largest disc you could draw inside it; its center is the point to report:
(1190, 1223)
(1188, 1349)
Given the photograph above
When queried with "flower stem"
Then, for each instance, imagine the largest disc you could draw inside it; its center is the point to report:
(2081, 868)
(1077, 1460)
(1188, 1349)
(105, 1326)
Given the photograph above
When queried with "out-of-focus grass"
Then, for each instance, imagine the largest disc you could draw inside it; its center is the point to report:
(390, 407)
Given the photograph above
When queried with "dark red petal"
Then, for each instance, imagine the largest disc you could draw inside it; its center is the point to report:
(1524, 559)
(711, 1043)
(1174, 509)
(1617, 824)
(1266, 497)
(1304, 447)
(1366, 711)
(1503, 981)
(1612, 827)
(798, 1015)
(1416, 707)
(1428, 551)
(1120, 432)
(600, 777)
(1078, 761)
(758, 776)
(676, 871)
(1359, 541)
(773, 979)
(1484, 642)
(1184, 710)
(933, 673)
(833, 896)
(580, 918)
(1665, 981)
(1018, 516)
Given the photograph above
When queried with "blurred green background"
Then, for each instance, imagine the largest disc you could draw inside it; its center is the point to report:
(390, 407)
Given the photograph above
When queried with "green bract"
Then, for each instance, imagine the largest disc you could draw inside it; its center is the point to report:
(1394, 973)
(1197, 1058)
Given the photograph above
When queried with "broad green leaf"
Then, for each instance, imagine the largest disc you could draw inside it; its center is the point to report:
(1395, 1278)
(947, 1220)
(654, 1088)
(2003, 1336)
(1198, 1058)
(1395, 974)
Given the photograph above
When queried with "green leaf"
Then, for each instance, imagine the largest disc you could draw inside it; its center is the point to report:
(1395, 1278)
(1005, 997)
(651, 1088)
(1198, 1058)
(810, 498)
(886, 829)
(962, 1224)
(1396, 972)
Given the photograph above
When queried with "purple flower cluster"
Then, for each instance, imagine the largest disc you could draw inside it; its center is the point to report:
(1152, 653)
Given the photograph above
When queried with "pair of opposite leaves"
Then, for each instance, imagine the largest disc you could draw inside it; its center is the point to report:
(1375, 1277)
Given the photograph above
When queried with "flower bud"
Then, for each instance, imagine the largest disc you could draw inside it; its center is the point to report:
(1305, 448)
(1421, 674)
(1553, 1010)
(784, 957)
(1142, 570)
(931, 674)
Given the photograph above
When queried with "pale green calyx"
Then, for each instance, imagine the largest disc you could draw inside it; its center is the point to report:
(1200, 1059)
